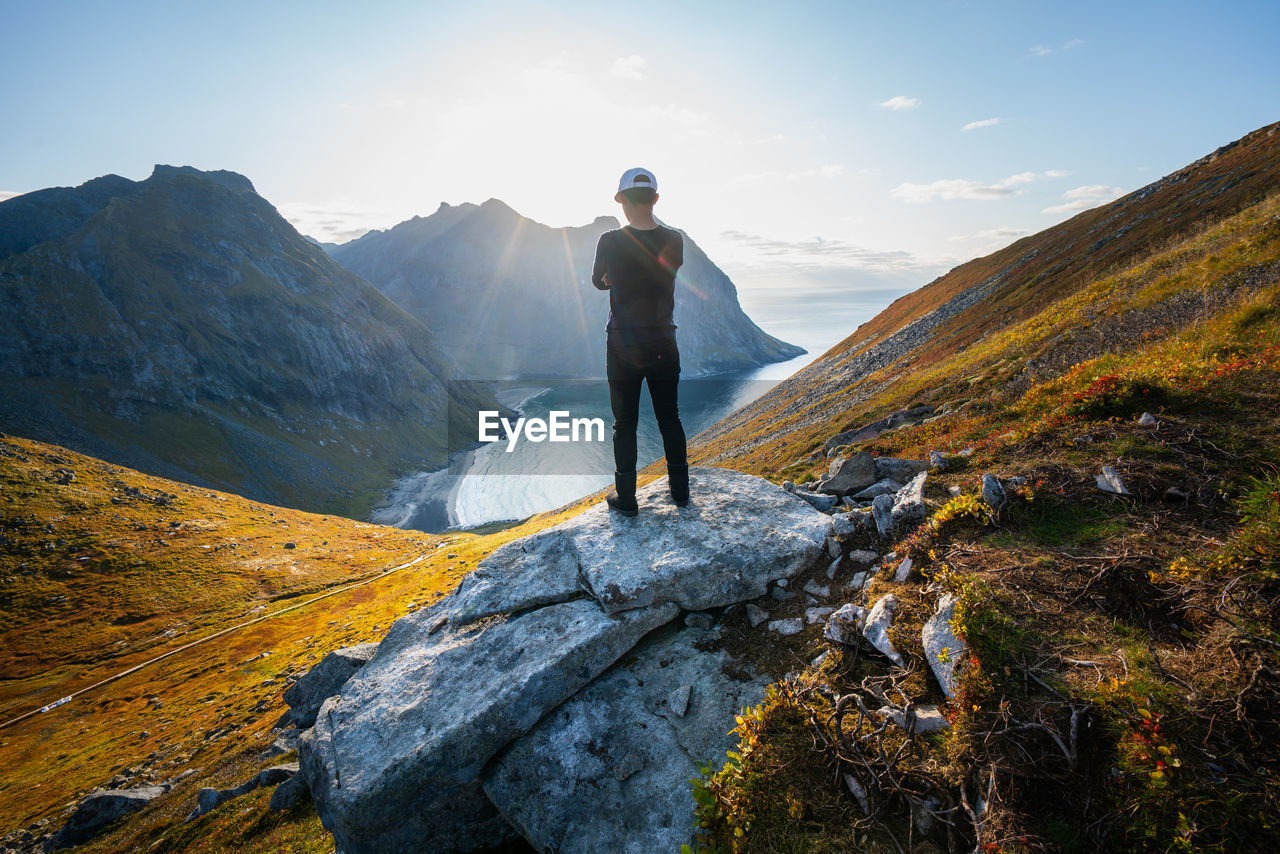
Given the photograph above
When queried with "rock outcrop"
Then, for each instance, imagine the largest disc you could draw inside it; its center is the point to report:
(100, 809)
(903, 416)
(209, 799)
(864, 476)
(709, 554)
(845, 476)
(908, 504)
(543, 659)
(597, 758)
(942, 649)
(321, 682)
(876, 627)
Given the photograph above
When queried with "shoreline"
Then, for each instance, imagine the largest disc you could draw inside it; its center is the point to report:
(422, 501)
(426, 501)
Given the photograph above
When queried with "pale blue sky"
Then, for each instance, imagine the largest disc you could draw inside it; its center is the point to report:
(808, 146)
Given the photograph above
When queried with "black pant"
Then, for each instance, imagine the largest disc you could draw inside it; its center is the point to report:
(632, 357)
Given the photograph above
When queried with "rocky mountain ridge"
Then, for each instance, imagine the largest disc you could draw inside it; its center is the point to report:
(182, 326)
(510, 297)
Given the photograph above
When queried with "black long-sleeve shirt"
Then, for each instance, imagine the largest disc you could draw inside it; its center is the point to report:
(638, 269)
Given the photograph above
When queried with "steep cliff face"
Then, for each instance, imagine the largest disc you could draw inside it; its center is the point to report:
(507, 296)
(180, 325)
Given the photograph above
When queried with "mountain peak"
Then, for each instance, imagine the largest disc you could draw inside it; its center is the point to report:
(498, 206)
(231, 180)
(110, 185)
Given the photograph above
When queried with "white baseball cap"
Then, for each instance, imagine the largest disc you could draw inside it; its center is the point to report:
(637, 178)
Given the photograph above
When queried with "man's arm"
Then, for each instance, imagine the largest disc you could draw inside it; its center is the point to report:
(672, 256)
(598, 277)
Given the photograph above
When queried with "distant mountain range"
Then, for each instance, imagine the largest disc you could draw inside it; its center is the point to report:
(181, 326)
(507, 296)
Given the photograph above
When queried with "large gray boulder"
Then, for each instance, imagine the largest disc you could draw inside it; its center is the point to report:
(845, 476)
(738, 533)
(100, 809)
(599, 775)
(324, 680)
(714, 556)
(393, 759)
(540, 569)
(397, 756)
(898, 470)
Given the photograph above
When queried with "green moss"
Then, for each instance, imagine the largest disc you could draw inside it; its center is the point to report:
(1049, 522)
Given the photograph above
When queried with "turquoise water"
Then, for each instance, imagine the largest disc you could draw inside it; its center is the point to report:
(492, 483)
(488, 484)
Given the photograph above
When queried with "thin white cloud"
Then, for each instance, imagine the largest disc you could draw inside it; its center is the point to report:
(5, 195)
(818, 252)
(1083, 198)
(1002, 233)
(1068, 207)
(1093, 191)
(981, 123)
(1041, 50)
(1020, 178)
(949, 189)
(632, 67)
(336, 221)
(900, 102)
(826, 170)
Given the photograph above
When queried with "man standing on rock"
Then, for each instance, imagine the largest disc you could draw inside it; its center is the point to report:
(637, 265)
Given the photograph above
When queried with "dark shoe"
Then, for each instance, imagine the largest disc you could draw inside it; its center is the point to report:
(678, 483)
(623, 499)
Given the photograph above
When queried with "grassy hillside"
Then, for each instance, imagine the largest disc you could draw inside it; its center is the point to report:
(857, 381)
(103, 568)
(1121, 686)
